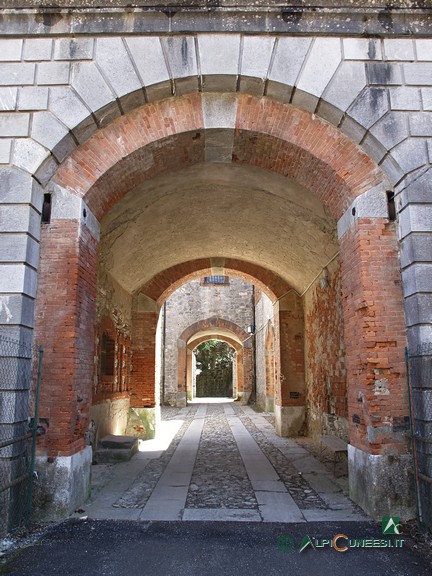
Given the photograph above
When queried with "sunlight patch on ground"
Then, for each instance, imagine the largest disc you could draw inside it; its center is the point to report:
(210, 400)
(164, 434)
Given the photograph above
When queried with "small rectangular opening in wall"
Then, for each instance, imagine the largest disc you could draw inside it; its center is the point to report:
(46, 209)
(107, 355)
(391, 206)
(212, 280)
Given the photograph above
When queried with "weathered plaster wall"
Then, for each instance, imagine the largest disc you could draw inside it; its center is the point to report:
(113, 301)
(327, 409)
(110, 402)
(109, 416)
(194, 302)
(113, 316)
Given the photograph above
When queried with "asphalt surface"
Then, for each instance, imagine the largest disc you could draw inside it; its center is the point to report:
(112, 547)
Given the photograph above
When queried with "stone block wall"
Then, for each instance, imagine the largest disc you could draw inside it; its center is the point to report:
(196, 302)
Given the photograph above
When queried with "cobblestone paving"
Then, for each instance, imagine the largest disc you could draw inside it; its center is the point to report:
(304, 496)
(138, 494)
(269, 417)
(219, 478)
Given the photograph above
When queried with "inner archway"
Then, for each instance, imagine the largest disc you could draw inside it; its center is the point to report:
(223, 331)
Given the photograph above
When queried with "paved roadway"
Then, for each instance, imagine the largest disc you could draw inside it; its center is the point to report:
(221, 494)
(117, 548)
(221, 462)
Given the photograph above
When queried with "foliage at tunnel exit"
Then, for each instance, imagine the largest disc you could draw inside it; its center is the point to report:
(214, 354)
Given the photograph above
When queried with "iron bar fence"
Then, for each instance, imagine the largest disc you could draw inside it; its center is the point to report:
(419, 377)
(20, 373)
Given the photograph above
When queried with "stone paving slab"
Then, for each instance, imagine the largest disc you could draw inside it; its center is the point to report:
(296, 485)
(145, 480)
(120, 478)
(257, 465)
(333, 515)
(174, 478)
(275, 503)
(268, 486)
(165, 504)
(221, 514)
(307, 464)
(278, 507)
(106, 512)
(168, 499)
(341, 502)
(313, 472)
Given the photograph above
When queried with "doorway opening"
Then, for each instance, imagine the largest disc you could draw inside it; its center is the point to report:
(213, 374)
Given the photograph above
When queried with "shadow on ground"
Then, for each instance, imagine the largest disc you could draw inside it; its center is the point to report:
(96, 548)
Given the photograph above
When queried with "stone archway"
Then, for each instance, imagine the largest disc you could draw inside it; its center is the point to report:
(234, 130)
(237, 380)
(220, 329)
(338, 171)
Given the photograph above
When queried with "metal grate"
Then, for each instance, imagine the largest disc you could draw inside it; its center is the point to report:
(419, 372)
(19, 370)
(216, 280)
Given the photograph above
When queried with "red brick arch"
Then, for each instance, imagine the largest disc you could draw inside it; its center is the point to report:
(160, 287)
(170, 135)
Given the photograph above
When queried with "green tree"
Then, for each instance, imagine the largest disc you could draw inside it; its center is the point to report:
(214, 354)
(214, 360)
